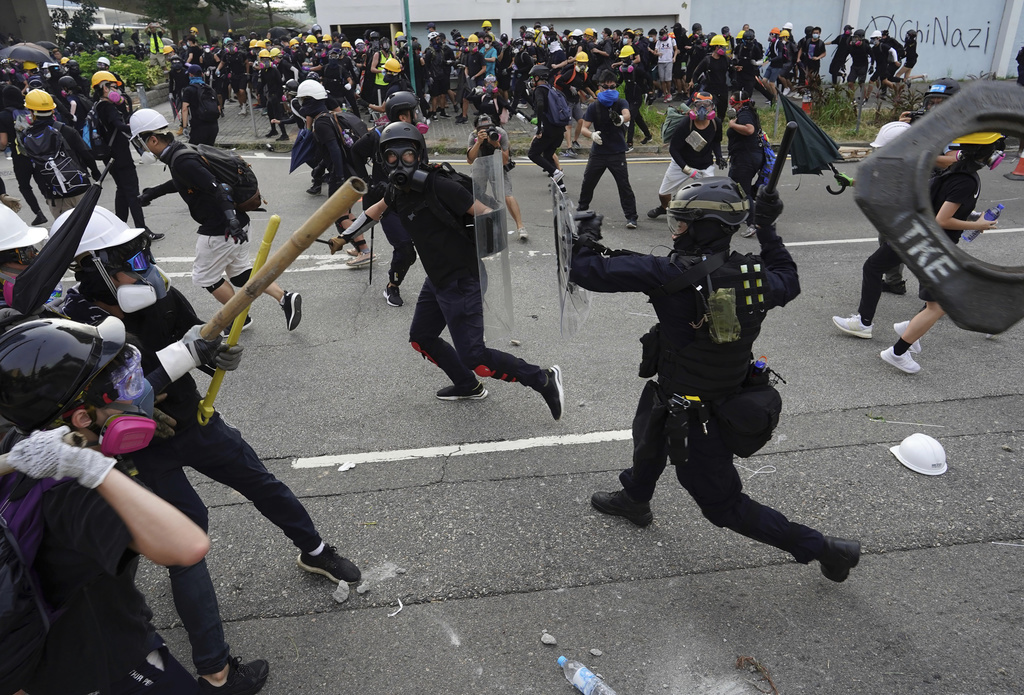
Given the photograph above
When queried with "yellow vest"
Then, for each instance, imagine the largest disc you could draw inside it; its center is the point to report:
(379, 77)
(156, 44)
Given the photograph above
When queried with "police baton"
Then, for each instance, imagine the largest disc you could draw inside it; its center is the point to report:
(780, 158)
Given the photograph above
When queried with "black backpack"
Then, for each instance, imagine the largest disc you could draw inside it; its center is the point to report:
(25, 616)
(94, 136)
(206, 110)
(56, 171)
(228, 167)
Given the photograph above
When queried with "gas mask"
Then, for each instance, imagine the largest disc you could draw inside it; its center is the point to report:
(124, 388)
(720, 52)
(150, 284)
(403, 165)
(114, 96)
(702, 113)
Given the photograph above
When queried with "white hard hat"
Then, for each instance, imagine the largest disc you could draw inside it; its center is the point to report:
(103, 60)
(788, 25)
(311, 88)
(15, 233)
(921, 454)
(876, 34)
(888, 133)
(544, 30)
(577, 32)
(146, 121)
(105, 229)
(432, 35)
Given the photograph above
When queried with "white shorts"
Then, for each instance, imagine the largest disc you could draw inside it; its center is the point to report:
(216, 258)
(675, 177)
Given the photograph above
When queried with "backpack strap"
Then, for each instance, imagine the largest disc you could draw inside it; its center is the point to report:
(690, 276)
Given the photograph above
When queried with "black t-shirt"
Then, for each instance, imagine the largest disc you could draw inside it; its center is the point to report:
(84, 555)
(683, 153)
(447, 254)
(474, 64)
(613, 139)
(859, 52)
(745, 144)
(960, 187)
(111, 119)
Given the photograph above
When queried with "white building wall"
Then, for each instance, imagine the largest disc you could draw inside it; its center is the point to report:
(955, 38)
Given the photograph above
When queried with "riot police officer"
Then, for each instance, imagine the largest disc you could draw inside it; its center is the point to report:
(709, 401)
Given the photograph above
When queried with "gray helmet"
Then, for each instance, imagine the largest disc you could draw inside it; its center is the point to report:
(713, 208)
(396, 140)
(540, 71)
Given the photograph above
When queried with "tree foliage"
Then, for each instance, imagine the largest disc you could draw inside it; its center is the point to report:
(182, 14)
(76, 27)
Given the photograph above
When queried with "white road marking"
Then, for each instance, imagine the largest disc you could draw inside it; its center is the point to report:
(470, 449)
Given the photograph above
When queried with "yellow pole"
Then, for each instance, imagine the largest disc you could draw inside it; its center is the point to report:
(206, 405)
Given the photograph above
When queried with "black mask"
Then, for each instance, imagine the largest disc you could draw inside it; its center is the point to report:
(704, 236)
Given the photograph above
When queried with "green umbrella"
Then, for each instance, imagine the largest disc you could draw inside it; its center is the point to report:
(813, 150)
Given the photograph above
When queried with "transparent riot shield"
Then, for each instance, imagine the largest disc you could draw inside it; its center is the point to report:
(492, 247)
(573, 300)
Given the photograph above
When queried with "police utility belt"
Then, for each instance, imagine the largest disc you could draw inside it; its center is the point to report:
(748, 417)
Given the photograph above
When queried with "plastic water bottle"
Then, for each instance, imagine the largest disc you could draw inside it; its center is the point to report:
(992, 214)
(583, 678)
(759, 364)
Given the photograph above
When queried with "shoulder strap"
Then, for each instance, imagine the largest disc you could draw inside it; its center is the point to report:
(690, 276)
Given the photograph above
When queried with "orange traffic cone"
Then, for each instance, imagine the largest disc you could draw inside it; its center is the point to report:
(1018, 173)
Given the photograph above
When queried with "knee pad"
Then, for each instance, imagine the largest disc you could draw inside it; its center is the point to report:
(420, 349)
(485, 371)
(213, 288)
(242, 278)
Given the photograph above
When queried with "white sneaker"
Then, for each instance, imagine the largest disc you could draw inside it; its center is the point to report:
(904, 362)
(523, 234)
(852, 326)
(900, 329)
(751, 231)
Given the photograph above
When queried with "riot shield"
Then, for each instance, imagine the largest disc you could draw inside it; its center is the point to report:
(573, 300)
(492, 247)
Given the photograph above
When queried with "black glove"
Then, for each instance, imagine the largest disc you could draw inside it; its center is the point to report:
(588, 226)
(146, 197)
(228, 357)
(767, 208)
(203, 352)
(235, 230)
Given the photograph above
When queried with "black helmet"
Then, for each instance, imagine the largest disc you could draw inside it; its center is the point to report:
(315, 76)
(713, 207)
(315, 28)
(940, 90)
(292, 85)
(68, 83)
(697, 28)
(402, 131)
(859, 32)
(749, 34)
(396, 140)
(374, 35)
(540, 71)
(399, 103)
(72, 66)
(46, 365)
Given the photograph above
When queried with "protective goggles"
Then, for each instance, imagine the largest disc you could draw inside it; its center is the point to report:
(23, 255)
(127, 379)
(139, 261)
(407, 155)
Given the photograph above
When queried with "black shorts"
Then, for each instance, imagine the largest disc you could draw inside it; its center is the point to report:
(238, 82)
(911, 62)
(858, 73)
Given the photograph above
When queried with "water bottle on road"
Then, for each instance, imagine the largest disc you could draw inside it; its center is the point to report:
(583, 678)
(992, 214)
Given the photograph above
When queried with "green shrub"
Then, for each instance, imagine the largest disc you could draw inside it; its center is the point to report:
(131, 70)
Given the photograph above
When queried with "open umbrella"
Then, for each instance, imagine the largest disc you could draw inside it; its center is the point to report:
(36, 282)
(26, 51)
(48, 45)
(279, 32)
(813, 151)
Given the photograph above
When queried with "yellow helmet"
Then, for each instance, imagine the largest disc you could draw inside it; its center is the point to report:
(486, 24)
(719, 40)
(38, 100)
(582, 57)
(274, 52)
(392, 65)
(399, 34)
(627, 52)
(264, 53)
(167, 49)
(64, 60)
(346, 44)
(784, 34)
(473, 39)
(739, 34)
(104, 76)
(311, 39)
(253, 43)
(29, 65)
(293, 42)
(972, 139)
(589, 32)
(194, 30)
(261, 43)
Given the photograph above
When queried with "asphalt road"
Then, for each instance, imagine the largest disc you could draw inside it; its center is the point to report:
(488, 548)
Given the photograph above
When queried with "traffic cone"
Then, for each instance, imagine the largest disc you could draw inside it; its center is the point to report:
(1018, 173)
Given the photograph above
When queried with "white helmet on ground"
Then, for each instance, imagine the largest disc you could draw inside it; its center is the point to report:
(311, 88)
(147, 121)
(921, 454)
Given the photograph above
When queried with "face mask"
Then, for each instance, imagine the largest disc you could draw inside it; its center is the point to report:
(132, 298)
(702, 113)
(815, 36)
(608, 97)
(149, 158)
(126, 432)
(114, 96)
(720, 52)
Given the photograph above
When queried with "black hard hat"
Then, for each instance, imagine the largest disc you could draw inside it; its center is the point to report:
(315, 76)
(46, 364)
(940, 90)
(398, 103)
(859, 32)
(402, 132)
(714, 197)
(374, 35)
(697, 27)
(292, 85)
(67, 83)
(73, 65)
(541, 71)
(749, 34)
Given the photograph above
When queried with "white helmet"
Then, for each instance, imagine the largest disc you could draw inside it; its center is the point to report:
(146, 121)
(788, 25)
(311, 88)
(432, 35)
(15, 233)
(103, 60)
(105, 229)
(888, 133)
(921, 454)
(577, 32)
(876, 34)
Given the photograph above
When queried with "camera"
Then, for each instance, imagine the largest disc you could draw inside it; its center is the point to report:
(914, 115)
(492, 133)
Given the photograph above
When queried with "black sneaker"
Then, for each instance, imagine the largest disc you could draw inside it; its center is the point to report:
(459, 393)
(629, 147)
(292, 305)
(314, 189)
(621, 504)
(393, 296)
(39, 219)
(838, 557)
(461, 119)
(331, 565)
(243, 679)
(245, 327)
(899, 287)
(631, 224)
(154, 236)
(655, 213)
(552, 391)
(645, 140)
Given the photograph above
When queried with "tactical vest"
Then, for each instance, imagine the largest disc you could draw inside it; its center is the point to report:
(712, 369)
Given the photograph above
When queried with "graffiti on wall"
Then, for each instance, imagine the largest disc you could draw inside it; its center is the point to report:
(938, 31)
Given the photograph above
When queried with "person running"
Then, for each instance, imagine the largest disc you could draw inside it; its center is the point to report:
(14, 108)
(746, 156)
(549, 134)
(690, 149)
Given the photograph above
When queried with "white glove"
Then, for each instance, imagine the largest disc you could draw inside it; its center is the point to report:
(758, 63)
(189, 352)
(689, 171)
(46, 455)
(348, 86)
(596, 137)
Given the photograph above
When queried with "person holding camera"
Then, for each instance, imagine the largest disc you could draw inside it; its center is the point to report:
(604, 123)
(705, 402)
(487, 139)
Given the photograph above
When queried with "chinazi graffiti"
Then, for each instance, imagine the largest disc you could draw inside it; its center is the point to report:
(938, 31)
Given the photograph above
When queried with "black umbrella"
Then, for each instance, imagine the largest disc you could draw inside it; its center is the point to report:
(279, 32)
(48, 45)
(36, 282)
(26, 51)
(354, 122)
(813, 150)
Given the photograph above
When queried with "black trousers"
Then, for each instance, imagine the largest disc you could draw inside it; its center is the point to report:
(743, 169)
(542, 149)
(877, 264)
(711, 479)
(23, 173)
(636, 120)
(126, 197)
(616, 164)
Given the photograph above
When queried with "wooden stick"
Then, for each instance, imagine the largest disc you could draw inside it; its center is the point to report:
(335, 206)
